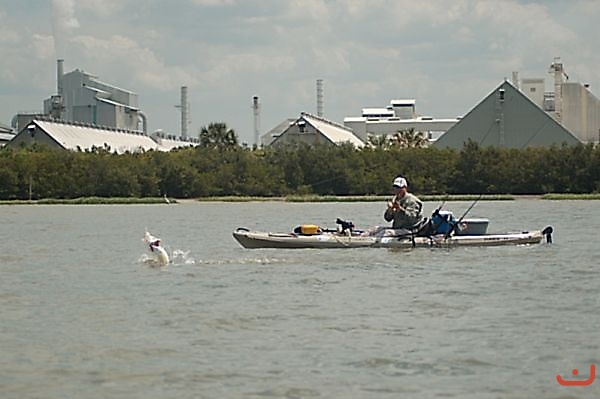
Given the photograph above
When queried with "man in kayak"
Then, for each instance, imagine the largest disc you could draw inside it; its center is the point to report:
(405, 209)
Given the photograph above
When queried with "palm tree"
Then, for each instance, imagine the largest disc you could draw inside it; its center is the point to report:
(378, 140)
(409, 139)
(217, 135)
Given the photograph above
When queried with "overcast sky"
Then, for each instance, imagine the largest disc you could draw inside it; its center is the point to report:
(446, 54)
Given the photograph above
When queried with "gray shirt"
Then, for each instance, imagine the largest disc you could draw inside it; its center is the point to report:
(409, 214)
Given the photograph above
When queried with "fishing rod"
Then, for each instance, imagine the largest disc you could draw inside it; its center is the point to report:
(454, 225)
(439, 208)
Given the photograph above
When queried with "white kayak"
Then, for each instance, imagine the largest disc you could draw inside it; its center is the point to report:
(334, 239)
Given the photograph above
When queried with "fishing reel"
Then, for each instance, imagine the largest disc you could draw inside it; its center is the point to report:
(346, 226)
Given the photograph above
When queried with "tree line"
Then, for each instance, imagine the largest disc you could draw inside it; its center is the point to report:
(219, 166)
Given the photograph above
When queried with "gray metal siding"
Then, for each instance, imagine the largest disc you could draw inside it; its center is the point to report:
(513, 122)
(292, 135)
(581, 112)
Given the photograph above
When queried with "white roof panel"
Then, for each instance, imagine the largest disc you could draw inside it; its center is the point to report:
(354, 119)
(372, 111)
(106, 100)
(168, 144)
(407, 101)
(74, 137)
(334, 132)
(6, 136)
(96, 90)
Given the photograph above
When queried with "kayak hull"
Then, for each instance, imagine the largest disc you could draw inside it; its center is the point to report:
(257, 239)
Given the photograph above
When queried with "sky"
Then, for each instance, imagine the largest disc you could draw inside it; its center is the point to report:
(446, 54)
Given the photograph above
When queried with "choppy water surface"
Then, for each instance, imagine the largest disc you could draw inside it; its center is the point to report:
(83, 315)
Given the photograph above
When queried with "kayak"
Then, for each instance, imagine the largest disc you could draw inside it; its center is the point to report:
(344, 239)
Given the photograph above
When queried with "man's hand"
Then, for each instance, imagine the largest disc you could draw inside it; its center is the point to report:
(395, 207)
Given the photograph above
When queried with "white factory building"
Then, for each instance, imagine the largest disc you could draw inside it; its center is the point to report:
(399, 115)
(81, 97)
(86, 113)
(571, 104)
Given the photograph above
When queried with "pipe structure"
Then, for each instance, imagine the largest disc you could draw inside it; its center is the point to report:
(144, 119)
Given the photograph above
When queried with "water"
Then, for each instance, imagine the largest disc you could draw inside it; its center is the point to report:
(84, 315)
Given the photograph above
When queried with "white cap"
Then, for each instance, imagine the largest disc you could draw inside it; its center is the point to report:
(400, 182)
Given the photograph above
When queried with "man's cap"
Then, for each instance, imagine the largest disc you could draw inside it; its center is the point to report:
(400, 182)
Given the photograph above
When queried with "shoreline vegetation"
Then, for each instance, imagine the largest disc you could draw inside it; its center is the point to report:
(293, 198)
(294, 173)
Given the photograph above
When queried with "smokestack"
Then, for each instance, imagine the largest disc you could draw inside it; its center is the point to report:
(184, 112)
(58, 100)
(59, 75)
(320, 97)
(256, 108)
(184, 107)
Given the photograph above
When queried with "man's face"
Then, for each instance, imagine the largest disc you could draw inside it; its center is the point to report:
(400, 191)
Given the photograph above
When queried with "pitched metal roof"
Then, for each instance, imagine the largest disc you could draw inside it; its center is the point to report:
(334, 132)
(5, 127)
(4, 137)
(267, 138)
(507, 118)
(170, 144)
(86, 137)
(77, 137)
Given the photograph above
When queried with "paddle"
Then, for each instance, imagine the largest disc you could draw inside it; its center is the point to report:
(453, 226)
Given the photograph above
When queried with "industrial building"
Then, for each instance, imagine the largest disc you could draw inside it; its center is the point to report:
(524, 114)
(81, 97)
(515, 121)
(507, 118)
(580, 112)
(87, 113)
(77, 136)
(267, 138)
(312, 129)
(572, 104)
(400, 115)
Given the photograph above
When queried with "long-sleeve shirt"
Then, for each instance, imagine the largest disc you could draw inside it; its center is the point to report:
(409, 214)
